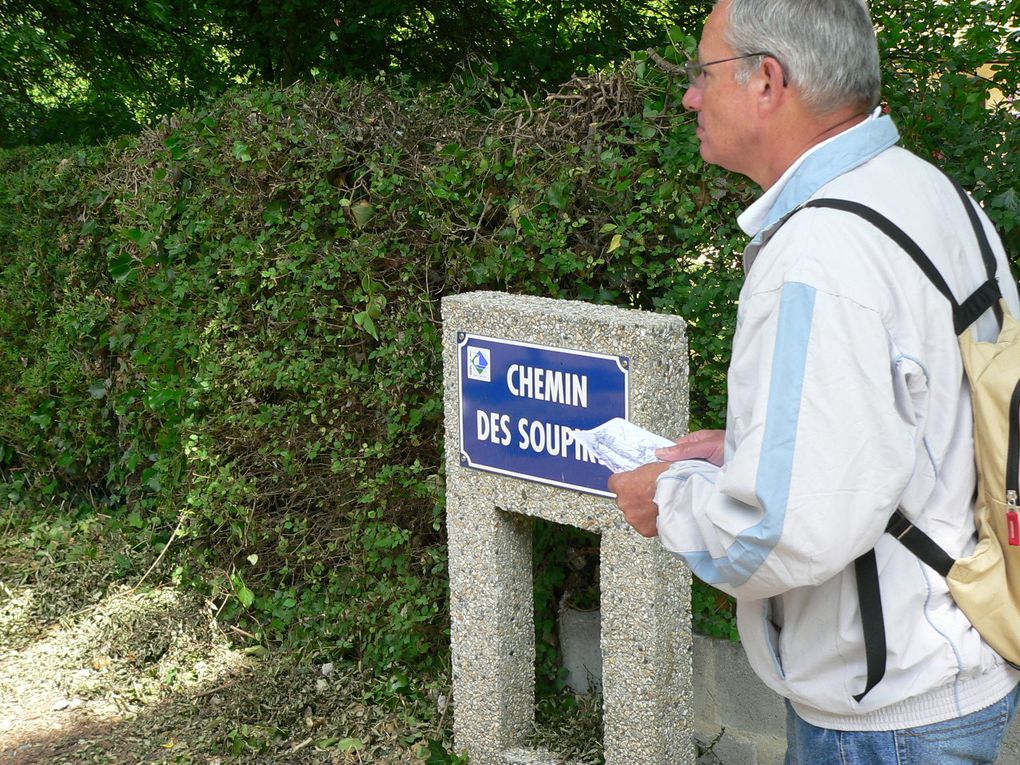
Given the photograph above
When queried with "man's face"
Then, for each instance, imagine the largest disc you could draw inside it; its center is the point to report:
(725, 108)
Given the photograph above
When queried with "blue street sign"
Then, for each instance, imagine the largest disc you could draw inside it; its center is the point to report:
(520, 403)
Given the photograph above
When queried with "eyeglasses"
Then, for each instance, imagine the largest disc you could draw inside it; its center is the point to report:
(696, 71)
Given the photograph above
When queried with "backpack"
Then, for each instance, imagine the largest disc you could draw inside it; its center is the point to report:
(986, 584)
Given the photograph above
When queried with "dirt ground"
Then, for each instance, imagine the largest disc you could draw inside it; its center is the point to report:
(102, 666)
(148, 676)
(83, 684)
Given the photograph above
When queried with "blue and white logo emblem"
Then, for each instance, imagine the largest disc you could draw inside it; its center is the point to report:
(479, 364)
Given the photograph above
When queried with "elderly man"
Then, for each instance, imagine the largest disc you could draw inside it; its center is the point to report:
(847, 401)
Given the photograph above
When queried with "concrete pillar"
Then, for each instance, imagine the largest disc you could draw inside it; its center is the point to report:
(646, 638)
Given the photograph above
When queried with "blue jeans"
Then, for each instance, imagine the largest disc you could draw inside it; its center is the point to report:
(971, 740)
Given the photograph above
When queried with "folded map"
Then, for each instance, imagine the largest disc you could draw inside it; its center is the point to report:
(621, 445)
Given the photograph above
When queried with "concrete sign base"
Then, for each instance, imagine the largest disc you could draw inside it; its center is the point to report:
(645, 600)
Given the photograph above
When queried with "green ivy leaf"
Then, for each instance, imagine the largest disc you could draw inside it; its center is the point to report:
(121, 266)
(364, 320)
(42, 420)
(246, 596)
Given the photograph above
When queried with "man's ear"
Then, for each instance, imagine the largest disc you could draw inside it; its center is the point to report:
(773, 86)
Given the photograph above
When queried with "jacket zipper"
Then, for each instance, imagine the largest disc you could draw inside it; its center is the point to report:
(1013, 469)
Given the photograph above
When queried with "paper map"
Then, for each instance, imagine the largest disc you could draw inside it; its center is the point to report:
(621, 445)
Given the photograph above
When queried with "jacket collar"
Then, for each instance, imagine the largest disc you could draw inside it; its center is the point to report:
(812, 170)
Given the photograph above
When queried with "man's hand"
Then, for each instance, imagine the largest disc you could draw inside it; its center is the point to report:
(634, 492)
(699, 445)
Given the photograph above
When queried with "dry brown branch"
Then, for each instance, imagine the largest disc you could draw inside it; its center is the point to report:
(666, 66)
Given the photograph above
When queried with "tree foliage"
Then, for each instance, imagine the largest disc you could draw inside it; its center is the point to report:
(952, 80)
(83, 70)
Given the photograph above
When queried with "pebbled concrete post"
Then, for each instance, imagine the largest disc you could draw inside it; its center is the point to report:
(646, 637)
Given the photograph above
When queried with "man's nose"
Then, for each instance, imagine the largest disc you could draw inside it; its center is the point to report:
(692, 98)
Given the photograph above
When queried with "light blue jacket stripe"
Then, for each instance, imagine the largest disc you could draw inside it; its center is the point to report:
(832, 160)
(775, 468)
(703, 566)
(839, 156)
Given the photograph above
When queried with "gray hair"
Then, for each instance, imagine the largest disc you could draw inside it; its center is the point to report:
(827, 48)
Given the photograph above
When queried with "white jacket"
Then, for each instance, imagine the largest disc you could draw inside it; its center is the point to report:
(846, 400)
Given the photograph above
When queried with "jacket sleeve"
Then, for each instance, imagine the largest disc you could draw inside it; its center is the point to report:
(825, 425)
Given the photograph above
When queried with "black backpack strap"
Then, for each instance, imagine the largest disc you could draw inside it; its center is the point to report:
(964, 314)
(979, 231)
(988, 294)
(869, 594)
(919, 543)
(869, 597)
(895, 233)
(984, 297)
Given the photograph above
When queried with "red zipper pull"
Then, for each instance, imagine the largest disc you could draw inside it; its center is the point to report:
(1012, 519)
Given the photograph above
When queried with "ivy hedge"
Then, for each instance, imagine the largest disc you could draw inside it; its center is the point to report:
(224, 335)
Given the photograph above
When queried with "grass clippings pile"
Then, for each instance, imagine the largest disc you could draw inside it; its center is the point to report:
(94, 670)
(147, 677)
(103, 665)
